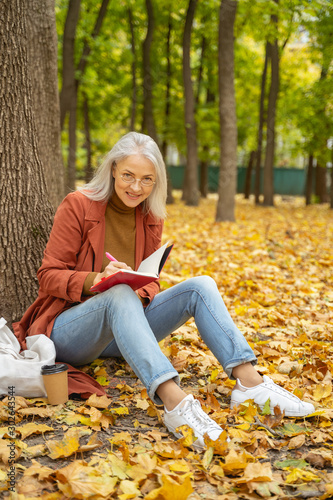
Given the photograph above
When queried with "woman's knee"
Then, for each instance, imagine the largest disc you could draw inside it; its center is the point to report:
(121, 295)
(204, 283)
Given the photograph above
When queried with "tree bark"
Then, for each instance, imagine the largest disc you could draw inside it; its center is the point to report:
(321, 184)
(87, 144)
(228, 121)
(43, 61)
(261, 127)
(191, 194)
(309, 181)
(164, 146)
(72, 77)
(271, 115)
(247, 187)
(331, 204)
(134, 85)
(25, 210)
(148, 123)
(68, 64)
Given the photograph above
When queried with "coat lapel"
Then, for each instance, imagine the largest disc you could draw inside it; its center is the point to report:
(95, 220)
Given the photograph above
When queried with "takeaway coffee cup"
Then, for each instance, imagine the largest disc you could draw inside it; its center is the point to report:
(56, 383)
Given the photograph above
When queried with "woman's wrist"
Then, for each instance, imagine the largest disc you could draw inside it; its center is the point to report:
(98, 278)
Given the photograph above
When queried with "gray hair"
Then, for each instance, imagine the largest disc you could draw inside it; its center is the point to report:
(101, 187)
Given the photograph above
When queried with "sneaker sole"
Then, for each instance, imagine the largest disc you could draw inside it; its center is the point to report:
(235, 404)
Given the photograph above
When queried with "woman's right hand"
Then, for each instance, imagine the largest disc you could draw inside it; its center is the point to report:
(110, 269)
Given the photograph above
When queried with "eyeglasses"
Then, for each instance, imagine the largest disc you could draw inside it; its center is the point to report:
(130, 179)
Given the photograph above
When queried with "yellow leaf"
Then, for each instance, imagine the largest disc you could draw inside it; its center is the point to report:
(121, 437)
(68, 445)
(179, 466)
(129, 490)
(98, 401)
(322, 391)
(79, 480)
(119, 467)
(235, 462)
(122, 410)
(208, 457)
(241, 310)
(170, 489)
(257, 472)
(8, 450)
(142, 403)
(31, 428)
(214, 374)
(147, 462)
(103, 381)
(299, 475)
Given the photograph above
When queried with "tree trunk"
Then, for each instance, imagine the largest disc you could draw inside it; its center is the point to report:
(68, 57)
(25, 210)
(191, 194)
(72, 77)
(321, 184)
(248, 178)
(148, 123)
(87, 48)
(204, 183)
(204, 180)
(71, 162)
(271, 114)
(134, 86)
(87, 144)
(43, 59)
(309, 181)
(164, 146)
(228, 121)
(331, 205)
(261, 127)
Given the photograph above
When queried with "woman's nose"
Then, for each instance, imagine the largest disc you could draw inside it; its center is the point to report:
(136, 186)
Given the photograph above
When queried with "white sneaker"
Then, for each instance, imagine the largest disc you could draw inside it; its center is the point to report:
(289, 403)
(190, 413)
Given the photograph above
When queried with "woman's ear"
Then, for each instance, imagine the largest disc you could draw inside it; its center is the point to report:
(113, 169)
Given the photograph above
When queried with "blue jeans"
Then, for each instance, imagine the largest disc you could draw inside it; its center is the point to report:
(114, 323)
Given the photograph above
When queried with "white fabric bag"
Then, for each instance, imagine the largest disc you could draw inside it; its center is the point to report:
(21, 371)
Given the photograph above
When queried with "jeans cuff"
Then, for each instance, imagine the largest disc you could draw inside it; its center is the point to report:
(228, 369)
(158, 381)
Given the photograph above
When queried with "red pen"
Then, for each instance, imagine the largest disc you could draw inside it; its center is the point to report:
(110, 257)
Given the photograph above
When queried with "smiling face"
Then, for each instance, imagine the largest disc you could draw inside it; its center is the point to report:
(140, 168)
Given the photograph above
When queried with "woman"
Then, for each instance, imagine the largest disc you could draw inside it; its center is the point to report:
(121, 211)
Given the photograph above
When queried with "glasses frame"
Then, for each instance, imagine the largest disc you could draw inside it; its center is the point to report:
(135, 179)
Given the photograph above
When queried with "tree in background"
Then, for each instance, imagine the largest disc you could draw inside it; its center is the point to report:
(273, 53)
(228, 122)
(26, 212)
(191, 193)
(72, 76)
(42, 56)
(148, 122)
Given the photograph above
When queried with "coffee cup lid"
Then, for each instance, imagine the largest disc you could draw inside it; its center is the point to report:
(51, 369)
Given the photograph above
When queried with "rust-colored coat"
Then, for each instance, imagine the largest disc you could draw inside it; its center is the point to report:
(75, 248)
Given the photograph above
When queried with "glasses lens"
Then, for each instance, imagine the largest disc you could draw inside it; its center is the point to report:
(147, 182)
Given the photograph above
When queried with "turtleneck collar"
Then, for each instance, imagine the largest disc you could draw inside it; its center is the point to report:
(119, 206)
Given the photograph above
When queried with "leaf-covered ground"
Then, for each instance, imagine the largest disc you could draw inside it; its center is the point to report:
(274, 268)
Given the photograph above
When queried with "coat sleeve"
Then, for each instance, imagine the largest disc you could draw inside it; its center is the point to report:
(57, 275)
(153, 238)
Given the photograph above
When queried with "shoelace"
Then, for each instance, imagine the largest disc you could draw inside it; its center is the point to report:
(195, 414)
(284, 392)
